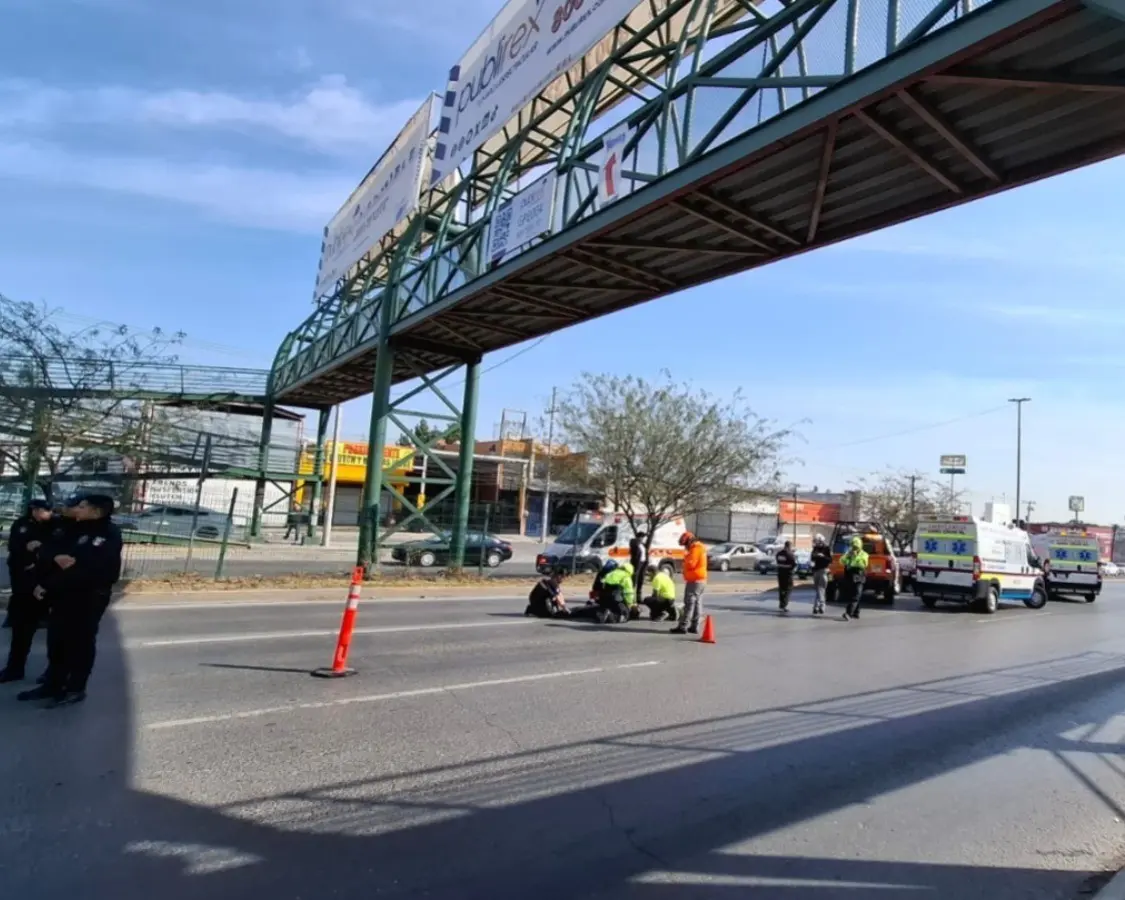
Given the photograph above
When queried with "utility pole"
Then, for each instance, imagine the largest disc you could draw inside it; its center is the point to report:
(1019, 401)
(913, 481)
(795, 488)
(1030, 506)
(550, 456)
(333, 469)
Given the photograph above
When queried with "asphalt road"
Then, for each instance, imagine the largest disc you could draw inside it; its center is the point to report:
(479, 754)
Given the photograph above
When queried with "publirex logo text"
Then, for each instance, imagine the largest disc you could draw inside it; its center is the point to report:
(507, 50)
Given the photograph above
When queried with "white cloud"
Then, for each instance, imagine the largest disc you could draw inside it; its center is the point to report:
(261, 198)
(330, 116)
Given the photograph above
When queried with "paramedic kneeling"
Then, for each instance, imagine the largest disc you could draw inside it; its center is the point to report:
(662, 602)
(617, 598)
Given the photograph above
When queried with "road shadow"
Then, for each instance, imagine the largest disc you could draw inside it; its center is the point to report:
(249, 668)
(646, 814)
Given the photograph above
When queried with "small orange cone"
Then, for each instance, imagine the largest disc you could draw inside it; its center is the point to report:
(708, 636)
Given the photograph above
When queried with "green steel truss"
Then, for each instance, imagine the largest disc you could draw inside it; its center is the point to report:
(726, 68)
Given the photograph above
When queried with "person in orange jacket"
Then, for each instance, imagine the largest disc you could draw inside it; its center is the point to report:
(695, 580)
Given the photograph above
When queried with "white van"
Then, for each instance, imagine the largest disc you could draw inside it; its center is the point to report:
(967, 560)
(593, 538)
(1072, 569)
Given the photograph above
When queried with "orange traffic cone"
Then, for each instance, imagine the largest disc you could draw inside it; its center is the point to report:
(708, 636)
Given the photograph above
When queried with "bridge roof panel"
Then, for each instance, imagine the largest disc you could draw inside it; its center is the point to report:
(1039, 96)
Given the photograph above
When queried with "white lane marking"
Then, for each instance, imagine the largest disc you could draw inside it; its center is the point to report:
(396, 695)
(318, 632)
(749, 591)
(175, 606)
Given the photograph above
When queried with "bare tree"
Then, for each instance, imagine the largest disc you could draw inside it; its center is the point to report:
(68, 399)
(662, 450)
(900, 499)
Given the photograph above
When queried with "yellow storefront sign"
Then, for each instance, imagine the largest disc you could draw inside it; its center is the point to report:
(352, 463)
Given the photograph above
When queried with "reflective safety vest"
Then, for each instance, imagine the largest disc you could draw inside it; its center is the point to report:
(663, 587)
(855, 559)
(622, 580)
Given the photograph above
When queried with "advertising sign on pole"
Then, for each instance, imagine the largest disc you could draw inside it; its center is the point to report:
(522, 219)
(610, 183)
(1076, 504)
(528, 45)
(385, 197)
(952, 464)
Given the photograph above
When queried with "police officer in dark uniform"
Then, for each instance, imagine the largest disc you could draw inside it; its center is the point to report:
(77, 569)
(29, 532)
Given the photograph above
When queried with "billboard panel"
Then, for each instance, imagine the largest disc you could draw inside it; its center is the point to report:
(522, 219)
(384, 198)
(524, 49)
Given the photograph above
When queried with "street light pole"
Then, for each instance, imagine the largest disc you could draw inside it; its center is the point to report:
(1019, 401)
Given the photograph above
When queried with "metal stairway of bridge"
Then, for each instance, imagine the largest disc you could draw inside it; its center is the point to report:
(800, 125)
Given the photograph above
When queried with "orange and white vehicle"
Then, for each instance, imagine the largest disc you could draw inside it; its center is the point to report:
(593, 538)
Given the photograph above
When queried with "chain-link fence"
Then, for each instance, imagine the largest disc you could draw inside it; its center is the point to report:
(168, 541)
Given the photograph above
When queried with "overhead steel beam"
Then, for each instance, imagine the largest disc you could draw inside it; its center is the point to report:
(908, 151)
(932, 118)
(755, 219)
(616, 268)
(669, 247)
(826, 155)
(542, 303)
(722, 224)
(425, 345)
(1035, 81)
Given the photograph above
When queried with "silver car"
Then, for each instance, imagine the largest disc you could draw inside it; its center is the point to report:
(175, 521)
(724, 557)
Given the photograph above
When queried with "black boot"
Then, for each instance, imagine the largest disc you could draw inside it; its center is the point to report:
(43, 692)
(8, 675)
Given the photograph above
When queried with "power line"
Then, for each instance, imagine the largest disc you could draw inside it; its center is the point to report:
(929, 427)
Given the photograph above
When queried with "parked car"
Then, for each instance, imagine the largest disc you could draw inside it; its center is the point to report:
(725, 557)
(175, 521)
(1111, 569)
(768, 565)
(436, 551)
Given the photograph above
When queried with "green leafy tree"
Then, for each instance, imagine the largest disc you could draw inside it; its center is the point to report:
(658, 450)
(900, 499)
(427, 434)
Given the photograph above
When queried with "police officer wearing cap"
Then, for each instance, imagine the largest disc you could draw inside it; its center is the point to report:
(76, 572)
(29, 532)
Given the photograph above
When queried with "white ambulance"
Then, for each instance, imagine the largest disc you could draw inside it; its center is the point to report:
(967, 560)
(593, 538)
(1072, 563)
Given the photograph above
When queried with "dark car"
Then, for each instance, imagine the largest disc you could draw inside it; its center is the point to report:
(436, 551)
(768, 565)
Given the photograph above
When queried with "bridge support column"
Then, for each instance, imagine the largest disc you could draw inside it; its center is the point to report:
(263, 467)
(318, 471)
(368, 556)
(463, 489)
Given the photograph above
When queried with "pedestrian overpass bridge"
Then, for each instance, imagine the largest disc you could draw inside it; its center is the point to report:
(795, 126)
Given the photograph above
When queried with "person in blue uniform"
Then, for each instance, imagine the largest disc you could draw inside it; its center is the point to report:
(25, 612)
(75, 575)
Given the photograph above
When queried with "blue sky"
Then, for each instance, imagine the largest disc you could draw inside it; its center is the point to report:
(173, 164)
